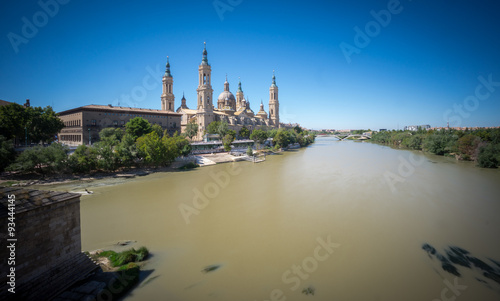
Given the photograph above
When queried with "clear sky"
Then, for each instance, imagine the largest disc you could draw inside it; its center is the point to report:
(420, 63)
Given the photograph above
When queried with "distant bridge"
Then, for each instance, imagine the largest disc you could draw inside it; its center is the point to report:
(355, 136)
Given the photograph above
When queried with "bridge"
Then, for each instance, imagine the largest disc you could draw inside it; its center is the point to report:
(354, 136)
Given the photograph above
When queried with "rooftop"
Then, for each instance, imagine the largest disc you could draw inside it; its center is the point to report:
(29, 199)
(119, 109)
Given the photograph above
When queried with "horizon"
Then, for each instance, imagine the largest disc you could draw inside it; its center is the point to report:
(378, 65)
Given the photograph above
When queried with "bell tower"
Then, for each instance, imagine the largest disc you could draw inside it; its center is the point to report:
(205, 114)
(167, 97)
(274, 105)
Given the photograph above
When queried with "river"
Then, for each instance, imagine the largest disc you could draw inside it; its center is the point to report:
(341, 220)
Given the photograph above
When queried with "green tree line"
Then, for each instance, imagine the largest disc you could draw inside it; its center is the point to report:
(282, 137)
(138, 144)
(481, 145)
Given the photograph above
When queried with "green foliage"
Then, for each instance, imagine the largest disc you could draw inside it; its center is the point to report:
(183, 145)
(283, 138)
(158, 151)
(244, 133)
(226, 141)
(249, 151)
(7, 153)
(126, 150)
(481, 145)
(489, 156)
(158, 129)
(111, 133)
(297, 129)
(441, 143)
(468, 146)
(13, 119)
(259, 136)
(189, 165)
(42, 124)
(126, 257)
(138, 127)
(191, 130)
(83, 159)
(218, 127)
(53, 158)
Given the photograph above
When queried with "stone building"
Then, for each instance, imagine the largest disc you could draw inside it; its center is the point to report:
(235, 111)
(46, 242)
(83, 124)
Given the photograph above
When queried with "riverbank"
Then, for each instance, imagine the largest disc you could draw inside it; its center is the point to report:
(16, 179)
(118, 275)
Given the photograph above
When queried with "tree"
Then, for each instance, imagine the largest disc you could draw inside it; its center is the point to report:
(191, 129)
(227, 140)
(43, 124)
(107, 157)
(151, 149)
(232, 133)
(488, 156)
(111, 133)
(7, 153)
(244, 132)
(297, 129)
(183, 145)
(283, 138)
(83, 159)
(218, 127)
(158, 129)
(13, 119)
(138, 127)
(259, 136)
(249, 151)
(126, 150)
(53, 158)
(468, 146)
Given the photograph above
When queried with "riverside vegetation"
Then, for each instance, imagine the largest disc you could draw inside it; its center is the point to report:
(481, 146)
(138, 144)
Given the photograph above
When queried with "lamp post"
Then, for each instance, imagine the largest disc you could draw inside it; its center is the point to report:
(90, 142)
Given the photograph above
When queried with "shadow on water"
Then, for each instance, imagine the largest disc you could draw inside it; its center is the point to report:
(457, 257)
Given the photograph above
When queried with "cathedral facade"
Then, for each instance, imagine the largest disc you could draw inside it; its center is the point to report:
(235, 111)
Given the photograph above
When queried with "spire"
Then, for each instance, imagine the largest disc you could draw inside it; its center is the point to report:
(204, 61)
(261, 105)
(167, 71)
(183, 98)
(274, 80)
(239, 85)
(226, 85)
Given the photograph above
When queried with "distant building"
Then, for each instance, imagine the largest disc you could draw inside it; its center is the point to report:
(415, 128)
(83, 124)
(382, 130)
(235, 111)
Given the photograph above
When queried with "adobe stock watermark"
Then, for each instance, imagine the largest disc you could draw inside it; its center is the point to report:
(223, 6)
(406, 169)
(451, 291)
(138, 93)
(29, 29)
(471, 103)
(201, 199)
(298, 273)
(371, 29)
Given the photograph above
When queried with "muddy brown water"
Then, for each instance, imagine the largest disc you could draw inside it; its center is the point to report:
(339, 220)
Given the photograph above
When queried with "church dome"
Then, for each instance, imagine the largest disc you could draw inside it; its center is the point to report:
(226, 94)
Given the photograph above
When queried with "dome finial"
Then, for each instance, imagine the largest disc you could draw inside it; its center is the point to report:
(204, 61)
(239, 85)
(167, 70)
(274, 80)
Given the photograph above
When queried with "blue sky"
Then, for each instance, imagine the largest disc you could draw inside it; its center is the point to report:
(422, 67)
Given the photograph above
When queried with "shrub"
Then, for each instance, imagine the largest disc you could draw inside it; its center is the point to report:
(488, 156)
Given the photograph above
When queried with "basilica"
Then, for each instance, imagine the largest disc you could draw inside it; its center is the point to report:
(235, 111)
